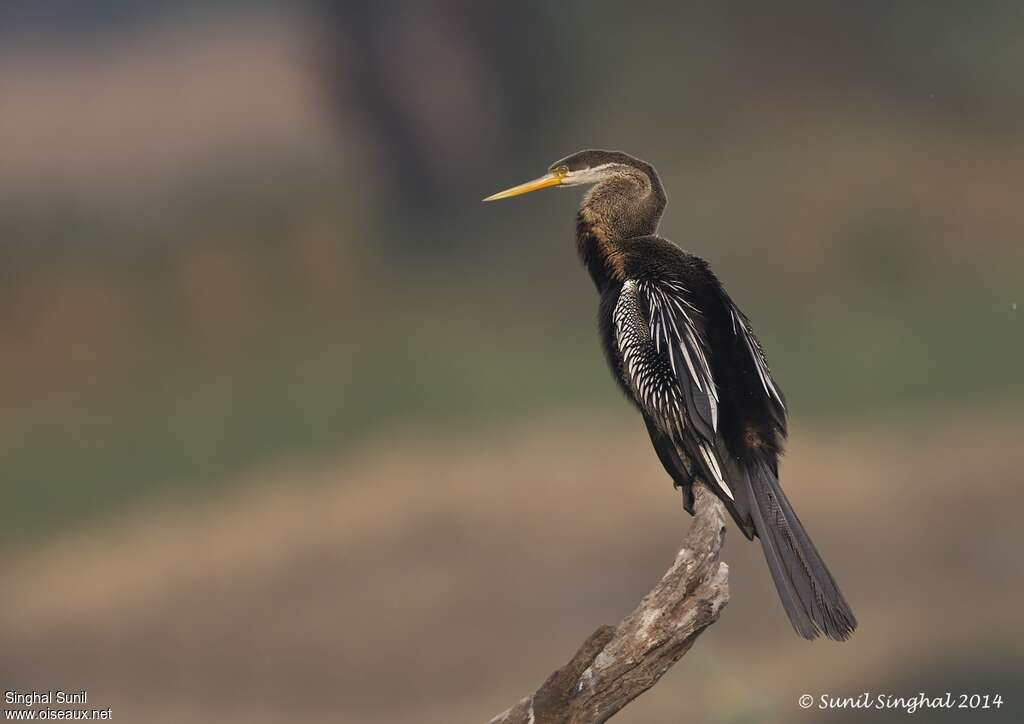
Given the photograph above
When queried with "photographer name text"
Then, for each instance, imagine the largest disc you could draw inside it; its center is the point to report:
(909, 704)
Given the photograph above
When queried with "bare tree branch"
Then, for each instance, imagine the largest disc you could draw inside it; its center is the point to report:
(616, 665)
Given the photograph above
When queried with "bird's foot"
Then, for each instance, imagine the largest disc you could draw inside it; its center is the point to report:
(688, 500)
(686, 486)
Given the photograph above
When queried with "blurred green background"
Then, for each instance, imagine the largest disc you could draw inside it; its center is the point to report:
(293, 425)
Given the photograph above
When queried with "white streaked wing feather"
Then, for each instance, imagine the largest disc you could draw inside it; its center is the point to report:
(654, 386)
(740, 327)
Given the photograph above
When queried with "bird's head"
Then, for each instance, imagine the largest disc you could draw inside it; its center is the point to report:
(585, 168)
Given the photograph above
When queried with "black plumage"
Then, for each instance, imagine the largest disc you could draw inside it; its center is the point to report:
(688, 358)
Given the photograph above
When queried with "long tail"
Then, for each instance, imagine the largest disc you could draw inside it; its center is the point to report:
(809, 594)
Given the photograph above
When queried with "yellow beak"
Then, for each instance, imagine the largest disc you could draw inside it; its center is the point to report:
(537, 184)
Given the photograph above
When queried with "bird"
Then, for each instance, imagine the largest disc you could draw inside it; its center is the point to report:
(687, 357)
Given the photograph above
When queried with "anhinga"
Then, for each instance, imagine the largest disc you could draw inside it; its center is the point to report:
(686, 355)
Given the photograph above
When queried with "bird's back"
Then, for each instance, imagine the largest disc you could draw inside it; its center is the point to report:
(752, 417)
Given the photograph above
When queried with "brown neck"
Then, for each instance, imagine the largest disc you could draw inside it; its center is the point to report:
(612, 213)
(601, 256)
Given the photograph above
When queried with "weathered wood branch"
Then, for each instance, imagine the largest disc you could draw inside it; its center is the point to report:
(617, 664)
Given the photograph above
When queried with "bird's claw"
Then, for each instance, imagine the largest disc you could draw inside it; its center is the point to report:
(688, 499)
(686, 487)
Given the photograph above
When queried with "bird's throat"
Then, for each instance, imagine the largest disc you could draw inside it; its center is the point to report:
(600, 253)
(613, 213)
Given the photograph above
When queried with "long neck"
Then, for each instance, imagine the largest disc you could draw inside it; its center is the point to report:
(614, 211)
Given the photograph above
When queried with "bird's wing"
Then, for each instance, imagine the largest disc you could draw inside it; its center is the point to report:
(666, 362)
(744, 337)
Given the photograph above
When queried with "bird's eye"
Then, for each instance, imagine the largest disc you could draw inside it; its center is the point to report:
(562, 171)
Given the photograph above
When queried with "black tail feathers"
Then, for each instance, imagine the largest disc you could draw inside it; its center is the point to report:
(809, 594)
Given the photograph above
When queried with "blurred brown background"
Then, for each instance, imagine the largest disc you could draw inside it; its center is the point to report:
(293, 426)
